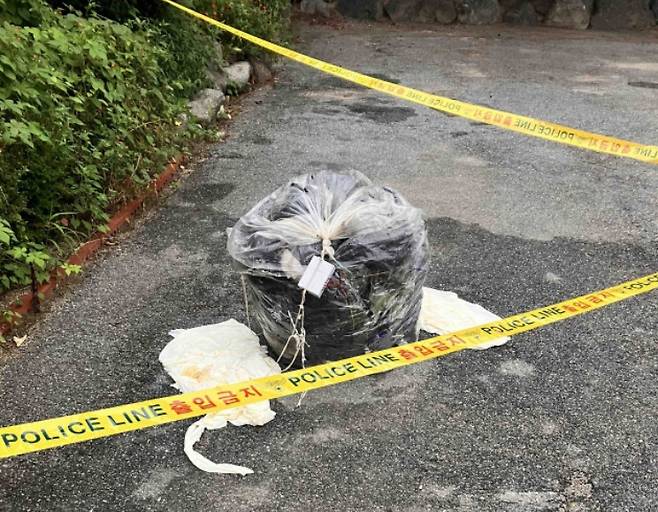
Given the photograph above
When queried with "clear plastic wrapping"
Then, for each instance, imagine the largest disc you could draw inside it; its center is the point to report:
(376, 240)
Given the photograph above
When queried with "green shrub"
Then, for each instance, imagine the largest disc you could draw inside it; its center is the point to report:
(22, 12)
(266, 19)
(86, 115)
(117, 10)
(188, 51)
(188, 44)
(88, 110)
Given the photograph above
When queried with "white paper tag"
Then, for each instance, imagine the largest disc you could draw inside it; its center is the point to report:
(314, 280)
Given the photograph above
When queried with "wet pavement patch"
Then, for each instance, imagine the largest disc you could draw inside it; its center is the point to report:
(645, 85)
(327, 111)
(381, 114)
(230, 155)
(337, 83)
(261, 140)
(211, 191)
(382, 76)
(332, 81)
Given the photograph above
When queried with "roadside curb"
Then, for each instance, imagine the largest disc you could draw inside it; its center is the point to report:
(26, 302)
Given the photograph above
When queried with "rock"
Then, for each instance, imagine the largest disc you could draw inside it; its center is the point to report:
(542, 6)
(361, 9)
(623, 14)
(206, 104)
(403, 10)
(423, 11)
(260, 72)
(506, 5)
(218, 79)
(570, 14)
(444, 11)
(478, 12)
(426, 12)
(238, 74)
(523, 14)
(318, 7)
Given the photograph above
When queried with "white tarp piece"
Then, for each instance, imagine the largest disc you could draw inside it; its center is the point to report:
(211, 355)
(444, 312)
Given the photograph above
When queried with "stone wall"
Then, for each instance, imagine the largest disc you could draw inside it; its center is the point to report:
(579, 14)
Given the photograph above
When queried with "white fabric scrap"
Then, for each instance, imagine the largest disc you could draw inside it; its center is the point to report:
(209, 356)
(444, 312)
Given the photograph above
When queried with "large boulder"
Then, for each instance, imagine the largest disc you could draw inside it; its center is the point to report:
(217, 79)
(206, 104)
(542, 6)
(427, 12)
(260, 72)
(505, 5)
(424, 11)
(403, 10)
(317, 7)
(623, 14)
(361, 9)
(444, 11)
(522, 14)
(570, 14)
(478, 12)
(238, 74)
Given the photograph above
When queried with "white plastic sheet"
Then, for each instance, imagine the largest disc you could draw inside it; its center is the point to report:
(211, 355)
(444, 312)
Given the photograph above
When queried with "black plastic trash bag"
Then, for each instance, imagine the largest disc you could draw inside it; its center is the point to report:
(376, 240)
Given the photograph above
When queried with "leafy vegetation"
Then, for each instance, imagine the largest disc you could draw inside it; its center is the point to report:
(266, 19)
(90, 97)
(84, 110)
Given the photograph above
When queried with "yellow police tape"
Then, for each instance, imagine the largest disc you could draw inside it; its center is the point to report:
(42, 435)
(506, 120)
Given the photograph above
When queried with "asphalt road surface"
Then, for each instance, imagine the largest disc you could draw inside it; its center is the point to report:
(563, 418)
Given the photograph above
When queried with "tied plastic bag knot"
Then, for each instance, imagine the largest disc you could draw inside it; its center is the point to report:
(327, 249)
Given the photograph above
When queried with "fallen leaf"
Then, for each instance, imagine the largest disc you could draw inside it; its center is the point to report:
(19, 341)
